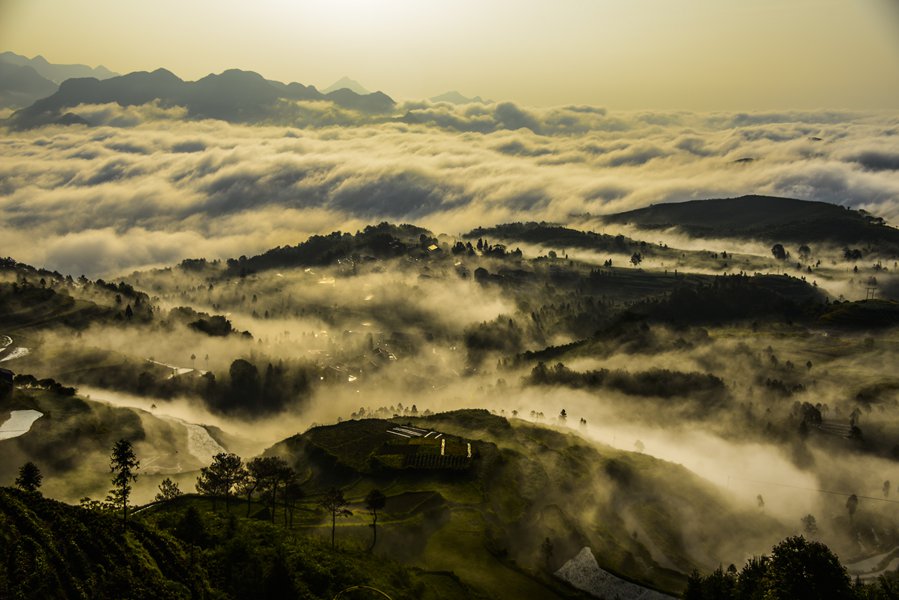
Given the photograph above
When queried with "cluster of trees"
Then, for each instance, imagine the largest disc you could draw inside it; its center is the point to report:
(243, 390)
(30, 381)
(246, 391)
(655, 382)
(502, 334)
(732, 297)
(545, 234)
(270, 477)
(796, 569)
(380, 241)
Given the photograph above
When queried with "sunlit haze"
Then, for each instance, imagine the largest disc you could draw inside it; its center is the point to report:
(693, 54)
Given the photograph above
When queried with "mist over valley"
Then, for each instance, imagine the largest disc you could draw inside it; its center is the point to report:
(262, 340)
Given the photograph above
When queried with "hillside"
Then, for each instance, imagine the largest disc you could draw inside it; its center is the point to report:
(52, 550)
(525, 483)
(182, 549)
(775, 220)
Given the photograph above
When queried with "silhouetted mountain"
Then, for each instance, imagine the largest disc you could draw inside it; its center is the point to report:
(454, 97)
(234, 95)
(345, 83)
(766, 218)
(376, 102)
(54, 72)
(20, 85)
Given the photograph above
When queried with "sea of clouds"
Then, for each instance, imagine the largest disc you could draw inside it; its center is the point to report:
(145, 185)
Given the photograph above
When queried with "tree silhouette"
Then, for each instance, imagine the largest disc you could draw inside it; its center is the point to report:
(810, 525)
(293, 493)
(123, 464)
(336, 504)
(221, 477)
(886, 488)
(168, 490)
(779, 252)
(852, 505)
(546, 551)
(375, 501)
(266, 474)
(803, 570)
(29, 478)
(191, 527)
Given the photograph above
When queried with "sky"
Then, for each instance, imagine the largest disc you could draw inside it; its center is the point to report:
(627, 54)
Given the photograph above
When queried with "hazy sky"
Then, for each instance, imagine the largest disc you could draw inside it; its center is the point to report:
(694, 54)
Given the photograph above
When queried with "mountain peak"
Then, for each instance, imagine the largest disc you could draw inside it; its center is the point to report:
(346, 83)
(454, 97)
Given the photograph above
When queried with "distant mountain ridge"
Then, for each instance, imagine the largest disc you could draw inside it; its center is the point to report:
(57, 73)
(234, 96)
(345, 83)
(20, 85)
(454, 97)
(779, 220)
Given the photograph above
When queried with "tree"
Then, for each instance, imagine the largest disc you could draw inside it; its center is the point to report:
(375, 501)
(546, 551)
(886, 488)
(293, 493)
(852, 505)
(336, 504)
(267, 474)
(803, 570)
(168, 490)
(779, 252)
(124, 465)
(29, 478)
(191, 527)
(254, 479)
(751, 578)
(222, 476)
(636, 258)
(810, 525)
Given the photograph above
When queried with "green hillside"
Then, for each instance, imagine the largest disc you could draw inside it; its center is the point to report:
(182, 549)
(526, 483)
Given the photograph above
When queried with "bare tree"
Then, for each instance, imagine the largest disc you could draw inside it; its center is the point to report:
(375, 501)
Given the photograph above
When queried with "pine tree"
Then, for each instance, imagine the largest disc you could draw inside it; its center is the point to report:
(168, 490)
(29, 478)
(123, 464)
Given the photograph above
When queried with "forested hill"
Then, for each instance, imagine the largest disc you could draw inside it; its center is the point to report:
(375, 241)
(766, 218)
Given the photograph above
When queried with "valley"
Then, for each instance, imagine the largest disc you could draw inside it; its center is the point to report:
(506, 387)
